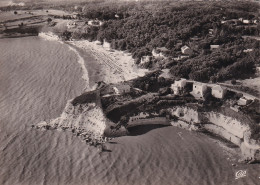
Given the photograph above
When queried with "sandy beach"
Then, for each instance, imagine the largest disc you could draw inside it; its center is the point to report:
(102, 64)
(114, 66)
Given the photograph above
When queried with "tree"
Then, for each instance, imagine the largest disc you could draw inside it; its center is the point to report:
(20, 25)
(66, 35)
(161, 79)
(124, 120)
(213, 79)
(49, 20)
(122, 44)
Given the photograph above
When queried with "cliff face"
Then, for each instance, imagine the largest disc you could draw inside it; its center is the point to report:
(230, 124)
(250, 147)
(86, 120)
(230, 128)
(186, 114)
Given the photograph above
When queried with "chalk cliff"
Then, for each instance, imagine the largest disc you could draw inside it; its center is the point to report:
(227, 127)
(86, 120)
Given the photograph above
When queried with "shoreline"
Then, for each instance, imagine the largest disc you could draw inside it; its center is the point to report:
(17, 36)
(110, 66)
(114, 66)
(97, 64)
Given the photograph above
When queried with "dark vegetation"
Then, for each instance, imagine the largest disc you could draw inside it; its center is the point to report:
(242, 88)
(253, 112)
(23, 30)
(88, 97)
(151, 82)
(141, 27)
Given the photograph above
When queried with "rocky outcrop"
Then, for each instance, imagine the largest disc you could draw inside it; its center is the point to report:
(250, 148)
(227, 127)
(186, 114)
(86, 120)
(231, 125)
(223, 133)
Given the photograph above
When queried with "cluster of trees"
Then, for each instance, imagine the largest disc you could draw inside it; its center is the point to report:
(219, 65)
(141, 27)
(151, 82)
(23, 30)
(68, 17)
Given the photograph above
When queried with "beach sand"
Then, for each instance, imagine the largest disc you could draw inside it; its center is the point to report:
(101, 64)
(111, 66)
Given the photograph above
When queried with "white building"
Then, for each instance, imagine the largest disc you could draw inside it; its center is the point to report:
(235, 108)
(211, 31)
(160, 52)
(247, 50)
(97, 42)
(258, 69)
(214, 46)
(145, 59)
(116, 90)
(121, 89)
(218, 91)
(106, 45)
(95, 23)
(180, 57)
(246, 21)
(71, 24)
(199, 90)
(243, 101)
(75, 15)
(186, 50)
(178, 86)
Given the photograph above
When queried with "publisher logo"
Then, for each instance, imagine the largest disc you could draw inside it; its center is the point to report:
(240, 174)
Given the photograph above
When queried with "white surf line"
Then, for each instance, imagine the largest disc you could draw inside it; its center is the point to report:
(180, 134)
(81, 62)
(49, 36)
(52, 37)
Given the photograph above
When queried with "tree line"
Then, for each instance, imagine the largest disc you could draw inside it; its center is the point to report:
(141, 27)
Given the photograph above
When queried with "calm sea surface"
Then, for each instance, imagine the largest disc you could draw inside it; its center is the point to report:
(37, 78)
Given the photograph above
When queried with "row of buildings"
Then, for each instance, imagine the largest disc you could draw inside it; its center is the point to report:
(162, 52)
(74, 24)
(239, 21)
(200, 90)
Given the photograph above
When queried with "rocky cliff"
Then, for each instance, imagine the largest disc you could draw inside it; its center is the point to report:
(86, 120)
(225, 126)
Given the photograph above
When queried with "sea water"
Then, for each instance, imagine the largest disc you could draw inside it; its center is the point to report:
(37, 78)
